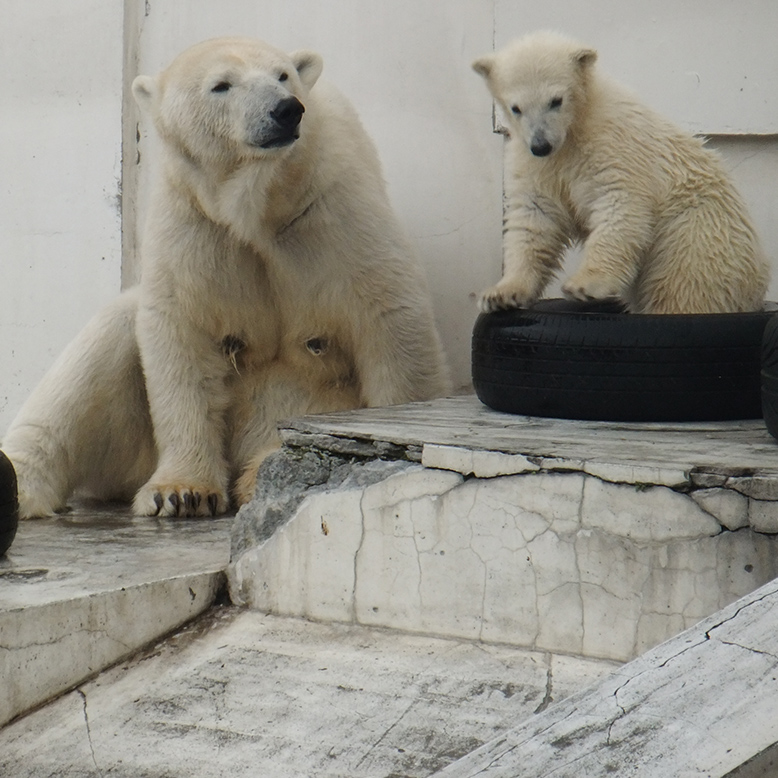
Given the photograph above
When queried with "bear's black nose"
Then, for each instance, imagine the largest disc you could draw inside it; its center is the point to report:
(287, 113)
(540, 148)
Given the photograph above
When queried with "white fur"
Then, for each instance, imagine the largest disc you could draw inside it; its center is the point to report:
(276, 282)
(662, 226)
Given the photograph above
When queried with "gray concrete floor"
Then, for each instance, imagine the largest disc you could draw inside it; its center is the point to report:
(239, 693)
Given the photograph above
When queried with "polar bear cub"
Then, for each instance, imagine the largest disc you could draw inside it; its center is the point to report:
(276, 282)
(662, 227)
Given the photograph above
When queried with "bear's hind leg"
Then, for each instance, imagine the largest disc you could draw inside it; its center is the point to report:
(86, 426)
(706, 259)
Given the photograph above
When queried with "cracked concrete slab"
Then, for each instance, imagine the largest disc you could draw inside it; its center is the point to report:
(556, 561)
(737, 454)
(239, 693)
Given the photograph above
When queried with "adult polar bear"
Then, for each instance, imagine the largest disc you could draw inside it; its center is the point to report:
(662, 225)
(275, 282)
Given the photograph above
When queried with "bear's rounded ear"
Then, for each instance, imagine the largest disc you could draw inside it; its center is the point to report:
(585, 58)
(483, 65)
(308, 65)
(143, 90)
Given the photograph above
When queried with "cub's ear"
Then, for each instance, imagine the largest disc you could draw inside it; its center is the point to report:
(309, 65)
(144, 88)
(585, 58)
(483, 65)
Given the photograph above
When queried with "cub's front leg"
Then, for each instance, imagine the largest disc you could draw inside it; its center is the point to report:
(535, 233)
(185, 374)
(620, 232)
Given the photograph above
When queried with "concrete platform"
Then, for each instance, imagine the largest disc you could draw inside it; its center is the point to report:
(447, 518)
(83, 590)
(243, 694)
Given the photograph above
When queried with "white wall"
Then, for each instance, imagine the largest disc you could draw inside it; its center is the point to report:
(406, 66)
(60, 156)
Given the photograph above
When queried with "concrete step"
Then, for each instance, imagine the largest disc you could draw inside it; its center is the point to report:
(446, 518)
(81, 591)
(240, 693)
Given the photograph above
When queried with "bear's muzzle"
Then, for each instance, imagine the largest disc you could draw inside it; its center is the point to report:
(283, 125)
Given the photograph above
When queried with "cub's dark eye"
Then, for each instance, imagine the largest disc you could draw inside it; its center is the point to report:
(222, 86)
(555, 103)
(283, 77)
(516, 110)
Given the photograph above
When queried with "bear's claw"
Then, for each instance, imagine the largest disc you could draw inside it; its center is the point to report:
(191, 503)
(213, 503)
(179, 501)
(496, 300)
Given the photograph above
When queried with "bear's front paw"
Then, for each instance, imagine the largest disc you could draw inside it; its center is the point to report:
(505, 295)
(586, 286)
(179, 500)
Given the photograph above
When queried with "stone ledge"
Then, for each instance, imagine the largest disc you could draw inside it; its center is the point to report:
(80, 592)
(733, 464)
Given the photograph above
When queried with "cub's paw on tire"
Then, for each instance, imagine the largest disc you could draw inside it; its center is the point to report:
(576, 360)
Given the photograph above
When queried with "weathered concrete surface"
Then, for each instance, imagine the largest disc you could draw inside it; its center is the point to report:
(737, 455)
(81, 591)
(605, 556)
(702, 704)
(291, 475)
(242, 694)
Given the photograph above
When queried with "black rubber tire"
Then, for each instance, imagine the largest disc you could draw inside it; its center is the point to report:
(582, 361)
(9, 504)
(770, 376)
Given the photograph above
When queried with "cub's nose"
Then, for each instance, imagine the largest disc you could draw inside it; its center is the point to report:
(287, 113)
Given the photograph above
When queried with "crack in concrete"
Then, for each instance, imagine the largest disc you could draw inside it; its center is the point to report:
(96, 634)
(415, 537)
(496, 760)
(89, 731)
(357, 554)
(750, 649)
(622, 712)
(743, 607)
(686, 488)
(548, 698)
(385, 733)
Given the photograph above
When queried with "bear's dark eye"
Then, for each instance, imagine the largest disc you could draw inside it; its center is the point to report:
(222, 86)
(516, 110)
(283, 77)
(555, 103)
